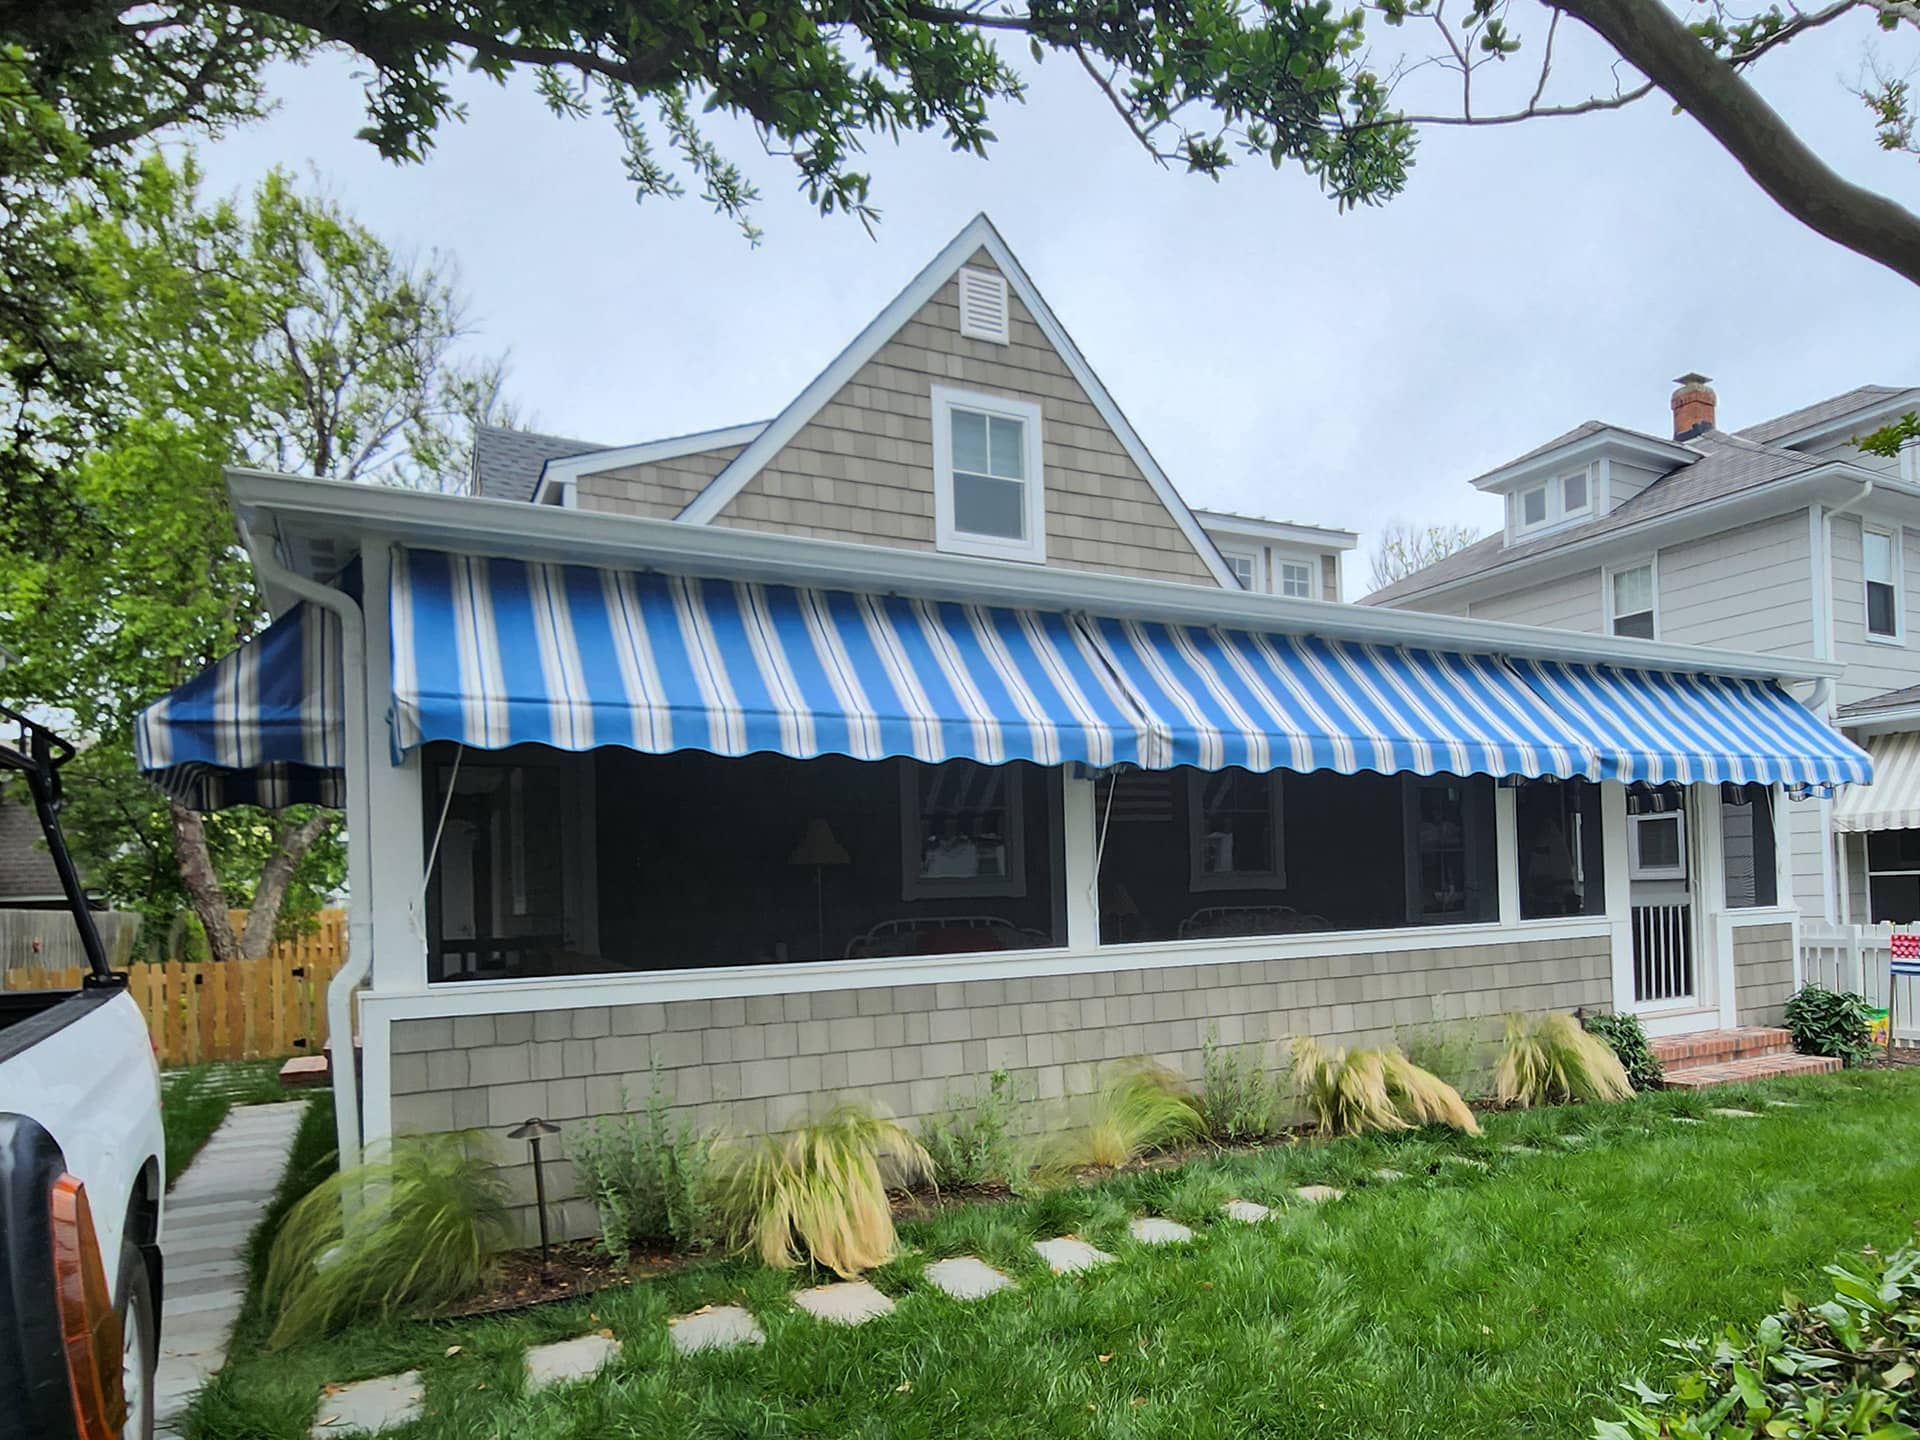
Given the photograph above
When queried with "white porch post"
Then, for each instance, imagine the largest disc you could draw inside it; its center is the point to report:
(1613, 831)
(1709, 889)
(1080, 840)
(1506, 834)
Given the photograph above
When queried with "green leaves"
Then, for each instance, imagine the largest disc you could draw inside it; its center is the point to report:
(1828, 1022)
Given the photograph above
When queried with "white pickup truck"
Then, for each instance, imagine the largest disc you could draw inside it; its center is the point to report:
(81, 1178)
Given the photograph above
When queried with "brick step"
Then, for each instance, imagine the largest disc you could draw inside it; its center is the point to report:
(1713, 1047)
(1751, 1067)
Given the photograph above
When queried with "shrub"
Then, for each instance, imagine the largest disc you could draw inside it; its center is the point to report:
(977, 1141)
(1550, 1059)
(408, 1230)
(1359, 1092)
(1845, 1367)
(817, 1191)
(647, 1177)
(1628, 1040)
(1143, 1107)
(1236, 1101)
(1830, 1022)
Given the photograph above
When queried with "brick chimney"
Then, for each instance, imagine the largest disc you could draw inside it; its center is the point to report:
(1693, 405)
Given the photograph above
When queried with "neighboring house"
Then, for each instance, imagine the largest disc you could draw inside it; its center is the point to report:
(1781, 537)
(28, 880)
(921, 730)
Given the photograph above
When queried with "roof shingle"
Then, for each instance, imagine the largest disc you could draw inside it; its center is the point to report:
(507, 463)
(1821, 411)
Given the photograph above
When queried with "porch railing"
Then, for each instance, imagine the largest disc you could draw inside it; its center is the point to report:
(1662, 953)
(1858, 958)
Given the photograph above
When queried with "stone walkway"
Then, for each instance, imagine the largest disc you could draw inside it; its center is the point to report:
(209, 1214)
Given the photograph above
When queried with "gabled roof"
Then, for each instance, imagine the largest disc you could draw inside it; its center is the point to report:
(507, 463)
(26, 869)
(1728, 464)
(1827, 412)
(1673, 452)
(978, 235)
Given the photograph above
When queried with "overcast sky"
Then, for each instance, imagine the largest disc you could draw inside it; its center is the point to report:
(1278, 357)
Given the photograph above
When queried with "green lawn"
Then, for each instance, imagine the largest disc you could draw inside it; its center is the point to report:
(194, 1100)
(1462, 1301)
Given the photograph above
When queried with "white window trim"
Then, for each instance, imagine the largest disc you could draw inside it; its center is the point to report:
(1899, 636)
(1554, 491)
(1254, 556)
(1521, 524)
(915, 886)
(1033, 548)
(1638, 871)
(1586, 476)
(1274, 879)
(1652, 566)
(1279, 578)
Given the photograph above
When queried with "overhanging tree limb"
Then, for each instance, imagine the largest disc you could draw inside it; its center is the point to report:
(1661, 47)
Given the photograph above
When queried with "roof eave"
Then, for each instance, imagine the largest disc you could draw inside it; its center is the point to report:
(289, 507)
(1852, 423)
(1252, 527)
(1672, 455)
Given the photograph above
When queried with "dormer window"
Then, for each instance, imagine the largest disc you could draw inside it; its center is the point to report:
(1552, 503)
(1533, 506)
(1573, 494)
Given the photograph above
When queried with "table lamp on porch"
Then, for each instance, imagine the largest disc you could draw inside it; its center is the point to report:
(820, 849)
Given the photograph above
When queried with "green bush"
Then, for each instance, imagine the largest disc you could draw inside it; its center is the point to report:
(1628, 1040)
(977, 1141)
(1237, 1095)
(1830, 1022)
(646, 1176)
(1844, 1367)
(411, 1229)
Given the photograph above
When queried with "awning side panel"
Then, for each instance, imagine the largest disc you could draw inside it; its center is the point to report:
(1661, 727)
(1892, 800)
(493, 653)
(264, 725)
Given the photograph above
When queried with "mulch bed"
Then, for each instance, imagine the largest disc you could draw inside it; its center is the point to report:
(577, 1268)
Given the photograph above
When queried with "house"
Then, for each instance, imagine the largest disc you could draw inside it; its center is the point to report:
(921, 730)
(1781, 537)
(28, 880)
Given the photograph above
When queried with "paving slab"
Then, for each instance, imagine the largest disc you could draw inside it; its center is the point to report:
(565, 1360)
(1515, 1149)
(1158, 1230)
(965, 1278)
(849, 1302)
(1463, 1162)
(1318, 1194)
(1247, 1212)
(368, 1407)
(1734, 1112)
(718, 1327)
(1686, 1120)
(1068, 1255)
(1389, 1174)
(1785, 1105)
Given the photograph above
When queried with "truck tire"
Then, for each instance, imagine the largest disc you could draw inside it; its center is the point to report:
(140, 1334)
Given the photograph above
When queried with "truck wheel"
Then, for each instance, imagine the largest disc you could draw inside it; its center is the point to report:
(139, 1331)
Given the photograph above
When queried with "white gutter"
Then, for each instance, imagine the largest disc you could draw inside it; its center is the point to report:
(337, 510)
(346, 1072)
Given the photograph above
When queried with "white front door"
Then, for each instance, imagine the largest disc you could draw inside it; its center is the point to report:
(1665, 932)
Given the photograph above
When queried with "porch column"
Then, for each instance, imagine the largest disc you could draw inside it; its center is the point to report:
(1708, 887)
(393, 840)
(1506, 849)
(1080, 841)
(1613, 832)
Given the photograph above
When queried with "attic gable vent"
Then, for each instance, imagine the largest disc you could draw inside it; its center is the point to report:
(983, 306)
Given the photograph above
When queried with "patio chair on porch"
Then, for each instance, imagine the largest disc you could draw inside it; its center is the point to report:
(944, 935)
(1217, 921)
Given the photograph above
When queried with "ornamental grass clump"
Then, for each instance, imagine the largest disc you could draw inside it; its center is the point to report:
(1362, 1092)
(1551, 1059)
(408, 1231)
(818, 1192)
(1143, 1107)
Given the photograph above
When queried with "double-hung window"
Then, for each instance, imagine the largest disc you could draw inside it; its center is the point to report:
(1880, 560)
(1245, 565)
(987, 476)
(962, 830)
(1296, 579)
(1235, 819)
(1630, 602)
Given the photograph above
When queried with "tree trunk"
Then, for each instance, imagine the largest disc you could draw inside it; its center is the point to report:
(1658, 43)
(209, 897)
(263, 918)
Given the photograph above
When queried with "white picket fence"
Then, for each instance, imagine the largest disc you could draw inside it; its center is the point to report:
(1859, 958)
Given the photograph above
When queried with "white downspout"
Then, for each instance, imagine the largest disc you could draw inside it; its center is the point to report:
(1832, 864)
(346, 1075)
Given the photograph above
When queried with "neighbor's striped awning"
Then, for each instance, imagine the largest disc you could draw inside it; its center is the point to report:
(264, 725)
(1290, 702)
(1660, 726)
(1892, 800)
(501, 652)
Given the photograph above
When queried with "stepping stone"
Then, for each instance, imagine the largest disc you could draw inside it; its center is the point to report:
(1734, 1112)
(1785, 1105)
(1247, 1212)
(718, 1327)
(1573, 1142)
(850, 1302)
(367, 1407)
(1069, 1256)
(1317, 1194)
(565, 1360)
(1686, 1120)
(1155, 1230)
(1388, 1174)
(1520, 1149)
(965, 1278)
(1463, 1160)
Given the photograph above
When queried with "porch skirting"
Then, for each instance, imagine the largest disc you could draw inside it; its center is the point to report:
(754, 1063)
(1762, 973)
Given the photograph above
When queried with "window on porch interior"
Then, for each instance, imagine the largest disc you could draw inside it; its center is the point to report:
(1558, 825)
(1192, 854)
(1893, 876)
(1747, 843)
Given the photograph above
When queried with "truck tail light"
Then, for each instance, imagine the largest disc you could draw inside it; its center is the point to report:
(89, 1328)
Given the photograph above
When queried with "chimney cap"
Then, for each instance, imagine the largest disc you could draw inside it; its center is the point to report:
(1693, 377)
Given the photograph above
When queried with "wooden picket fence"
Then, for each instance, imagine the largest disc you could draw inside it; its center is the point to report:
(239, 1010)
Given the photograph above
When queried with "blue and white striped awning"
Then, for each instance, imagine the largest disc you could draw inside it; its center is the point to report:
(1291, 702)
(500, 652)
(264, 725)
(1659, 727)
